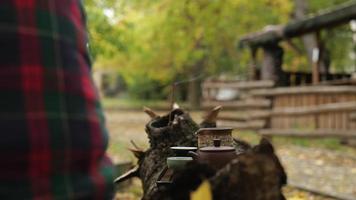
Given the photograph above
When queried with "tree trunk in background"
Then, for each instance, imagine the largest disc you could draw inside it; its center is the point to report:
(194, 86)
(194, 93)
(310, 41)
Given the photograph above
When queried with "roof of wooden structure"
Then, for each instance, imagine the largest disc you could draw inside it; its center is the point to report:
(326, 19)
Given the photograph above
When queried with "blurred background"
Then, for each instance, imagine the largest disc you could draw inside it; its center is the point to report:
(142, 49)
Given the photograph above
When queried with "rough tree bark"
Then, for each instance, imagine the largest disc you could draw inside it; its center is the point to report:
(254, 174)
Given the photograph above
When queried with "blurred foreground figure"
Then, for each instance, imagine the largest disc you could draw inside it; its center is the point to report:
(53, 139)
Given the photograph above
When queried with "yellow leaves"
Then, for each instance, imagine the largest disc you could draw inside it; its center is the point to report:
(294, 194)
(283, 8)
(203, 192)
(298, 196)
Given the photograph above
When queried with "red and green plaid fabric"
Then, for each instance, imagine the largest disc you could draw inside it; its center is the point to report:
(53, 139)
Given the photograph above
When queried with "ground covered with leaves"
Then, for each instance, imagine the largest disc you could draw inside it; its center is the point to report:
(321, 165)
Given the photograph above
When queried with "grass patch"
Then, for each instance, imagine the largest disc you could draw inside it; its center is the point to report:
(124, 103)
(117, 147)
(325, 143)
(118, 152)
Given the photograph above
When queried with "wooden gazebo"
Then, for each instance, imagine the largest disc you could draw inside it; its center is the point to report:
(269, 105)
(269, 38)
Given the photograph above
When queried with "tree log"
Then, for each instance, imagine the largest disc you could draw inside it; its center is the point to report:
(255, 174)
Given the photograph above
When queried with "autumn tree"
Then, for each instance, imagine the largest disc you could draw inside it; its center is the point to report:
(153, 43)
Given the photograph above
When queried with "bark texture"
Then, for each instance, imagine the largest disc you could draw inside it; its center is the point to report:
(255, 174)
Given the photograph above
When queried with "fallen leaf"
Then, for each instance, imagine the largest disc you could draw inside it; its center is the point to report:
(203, 192)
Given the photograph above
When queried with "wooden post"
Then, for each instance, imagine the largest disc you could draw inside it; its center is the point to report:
(315, 70)
(253, 69)
(272, 64)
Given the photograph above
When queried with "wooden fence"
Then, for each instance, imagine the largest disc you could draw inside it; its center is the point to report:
(304, 111)
(305, 78)
(243, 111)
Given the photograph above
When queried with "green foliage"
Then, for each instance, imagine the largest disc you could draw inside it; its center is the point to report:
(144, 88)
(152, 43)
(316, 5)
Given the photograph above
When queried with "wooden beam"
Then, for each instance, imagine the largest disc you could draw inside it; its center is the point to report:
(271, 68)
(309, 133)
(344, 81)
(317, 109)
(305, 90)
(250, 125)
(325, 19)
(251, 115)
(270, 34)
(238, 85)
(252, 103)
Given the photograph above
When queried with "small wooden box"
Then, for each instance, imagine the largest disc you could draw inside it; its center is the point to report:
(206, 136)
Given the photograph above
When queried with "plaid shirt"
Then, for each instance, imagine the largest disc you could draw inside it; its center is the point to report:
(53, 139)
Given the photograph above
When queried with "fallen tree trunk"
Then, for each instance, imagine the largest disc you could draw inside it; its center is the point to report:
(255, 174)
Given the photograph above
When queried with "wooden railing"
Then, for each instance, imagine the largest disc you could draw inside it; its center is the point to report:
(244, 111)
(305, 111)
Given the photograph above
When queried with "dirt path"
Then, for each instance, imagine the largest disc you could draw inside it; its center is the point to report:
(320, 170)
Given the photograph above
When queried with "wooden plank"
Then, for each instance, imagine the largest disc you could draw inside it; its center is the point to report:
(344, 115)
(304, 122)
(353, 116)
(320, 133)
(273, 120)
(250, 115)
(312, 100)
(239, 85)
(332, 115)
(304, 90)
(345, 81)
(307, 120)
(251, 103)
(250, 125)
(352, 120)
(287, 101)
(321, 119)
(233, 118)
(325, 108)
(291, 103)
